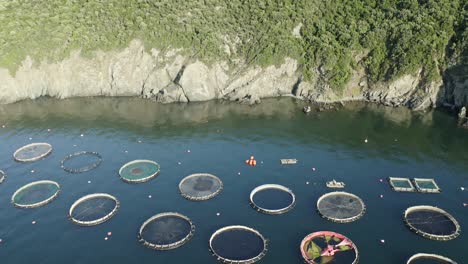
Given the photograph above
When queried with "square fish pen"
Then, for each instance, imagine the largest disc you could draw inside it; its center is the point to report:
(401, 184)
(426, 185)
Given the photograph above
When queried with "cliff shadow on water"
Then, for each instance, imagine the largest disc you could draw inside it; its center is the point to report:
(390, 131)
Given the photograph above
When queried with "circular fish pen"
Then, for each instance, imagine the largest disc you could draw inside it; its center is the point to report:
(81, 161)
(272, 199)
(238, 244)
(341, 207)
(138, 171)
(432, 223)
(329, 247)
(200, 186)
(423, 258)
(93, 209)
(2, 176)
(166, 231)
(35, 194)
(32, 152)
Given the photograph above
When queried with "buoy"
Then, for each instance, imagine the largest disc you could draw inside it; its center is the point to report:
(261, 162)
(307, 183)
(465, 204)
(365, 140)
(48, 130)
(238, 173)
(313, 168)
(1, 240)
(74, 145)
(126, 151)
(382, 241)
(218, 214)
(106, 238)
(30, 138)
(179, 162)
(381, 196)
(188, 150)
(381, 180)
(149, 196)
(109, 233)
(251, 161)
(32, 171)
(3, 126)
(462, 188)
(89, 181)
(81, 135)
(33, 222)
(139, 141)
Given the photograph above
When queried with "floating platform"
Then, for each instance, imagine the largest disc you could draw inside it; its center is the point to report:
(401, 184)
(288, 161)
(336, 185)
(426, 185)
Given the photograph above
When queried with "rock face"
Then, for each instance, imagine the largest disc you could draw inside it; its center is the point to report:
(172, 77)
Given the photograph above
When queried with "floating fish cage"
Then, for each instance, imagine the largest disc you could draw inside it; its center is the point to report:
(426, 185)
(200, 186)
(35, 194)
(422, 258)
(32, 152)
(341, 207)
(139, 171)
(272, 199)
(432, 223)
(93, 209)
(81, 161)
(238, 244)
(401, 184)
(2, 176)
(328, 247)
(166, 231)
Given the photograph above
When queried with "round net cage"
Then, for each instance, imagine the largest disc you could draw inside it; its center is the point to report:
(329, 247)
(238, 244)
(200, 186)
(81, 161)
(166, 231)
(32, 152)
(2, 176)
(423, 258)
(341, 207)
(272, 199)
(432, 223)
(35, 194)
(139, 171)
(93, 209)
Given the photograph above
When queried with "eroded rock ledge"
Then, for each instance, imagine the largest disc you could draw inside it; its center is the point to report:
(171, 77)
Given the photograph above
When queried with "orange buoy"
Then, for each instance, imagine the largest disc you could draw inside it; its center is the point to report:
(251, 161)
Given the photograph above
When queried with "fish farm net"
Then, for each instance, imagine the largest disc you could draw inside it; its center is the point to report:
(2, 176)
(401, 184)
(138, 171)
(426, 185)
(81, 161)
(329, 247)
(272, 199)
(238, 244)
(200, 186)
(35, 194)
(32, 152)
(93, 209)
(341, 207)
(432, 223)
(422, 258)
(166, 231)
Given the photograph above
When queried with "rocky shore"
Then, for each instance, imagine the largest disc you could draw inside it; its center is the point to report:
(170, 76)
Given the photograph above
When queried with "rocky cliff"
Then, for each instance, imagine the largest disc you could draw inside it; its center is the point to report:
(172, 77)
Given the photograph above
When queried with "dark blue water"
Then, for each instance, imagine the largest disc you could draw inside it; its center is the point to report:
(220, 137)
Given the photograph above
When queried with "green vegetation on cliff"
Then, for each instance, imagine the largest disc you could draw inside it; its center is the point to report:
(394, 37)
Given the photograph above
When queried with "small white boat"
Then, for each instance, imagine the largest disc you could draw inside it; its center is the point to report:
(335, 184)
(288, 161)
(306, 109)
